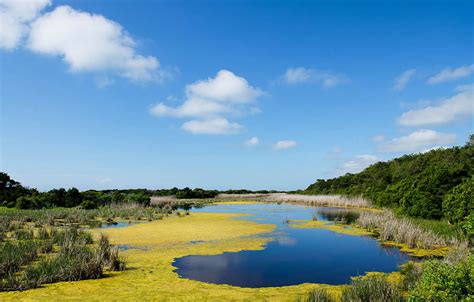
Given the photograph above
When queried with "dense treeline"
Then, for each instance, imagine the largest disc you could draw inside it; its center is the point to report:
(13, 194)
(187, 193)
(438, 184)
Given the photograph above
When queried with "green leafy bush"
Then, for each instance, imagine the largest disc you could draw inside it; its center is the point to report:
(442, 281)
(459, 202)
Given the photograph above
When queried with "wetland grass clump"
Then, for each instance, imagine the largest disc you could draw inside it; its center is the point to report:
(48, 245)
(108, 255)
(319, 200)
(401, 230)
(371, 288)
(318, 295)
(14, 254)
(75, 260)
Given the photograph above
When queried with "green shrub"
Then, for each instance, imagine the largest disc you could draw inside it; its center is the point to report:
(459, 202)
(468, 227)
(441, 281)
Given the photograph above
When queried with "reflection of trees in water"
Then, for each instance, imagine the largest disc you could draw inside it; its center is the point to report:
(394, 251)
(339, 215)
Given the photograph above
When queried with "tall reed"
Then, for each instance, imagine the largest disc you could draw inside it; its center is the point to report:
(402, 230)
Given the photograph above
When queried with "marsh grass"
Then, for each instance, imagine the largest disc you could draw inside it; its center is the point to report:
(318, 295)
(439, 227)
(76, 259)
(108, 255)
(46, 246)
(402, 230)
(319, 200)
(13, 255)
(371, 288)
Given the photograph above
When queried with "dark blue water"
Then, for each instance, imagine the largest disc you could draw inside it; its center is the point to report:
(295, 256)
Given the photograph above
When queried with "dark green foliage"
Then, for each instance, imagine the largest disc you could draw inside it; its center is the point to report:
(431, 185)
(468, 227)
(12, 194)
(10, 190)
(187, 193)
(139, 198)
(73, 198)
(459, 202)
(441, 281)
(371, 288)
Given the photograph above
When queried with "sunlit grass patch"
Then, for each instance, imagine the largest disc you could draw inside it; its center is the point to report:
(326, 225)
(150, 273)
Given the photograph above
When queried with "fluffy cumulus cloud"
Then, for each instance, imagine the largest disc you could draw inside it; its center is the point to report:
(449, 110)
(253, 141)
(92, 43)
(449, 74)
(357, 164)
(15, 17)
(209, 103)
(418, 141)
(284, 144)
(402, 80)
(301, 75)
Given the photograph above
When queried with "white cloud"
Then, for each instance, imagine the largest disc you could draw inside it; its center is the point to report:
(297, 75)
(253, 141)
(457, 107)
(225, 87)
(210, 101)
(449, 74)
(284, 144)
(91, 43)
(418, 141)
(300, 75)
(211, 126)
(402, 80)
(357, 164)
(378, 138)
(15, 17)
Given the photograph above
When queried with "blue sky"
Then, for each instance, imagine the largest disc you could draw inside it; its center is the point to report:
(227, 94)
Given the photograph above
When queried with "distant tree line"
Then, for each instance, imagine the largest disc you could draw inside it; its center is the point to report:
(438, 184)
(13, 194)
(186, 193)
(198, 193)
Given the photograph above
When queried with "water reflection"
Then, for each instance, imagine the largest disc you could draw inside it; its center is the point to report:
(338, 215)
(294, 256)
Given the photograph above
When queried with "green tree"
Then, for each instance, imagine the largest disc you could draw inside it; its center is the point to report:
(459, 202)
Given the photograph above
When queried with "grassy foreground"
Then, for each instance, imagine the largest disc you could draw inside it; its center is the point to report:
(149, 274)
